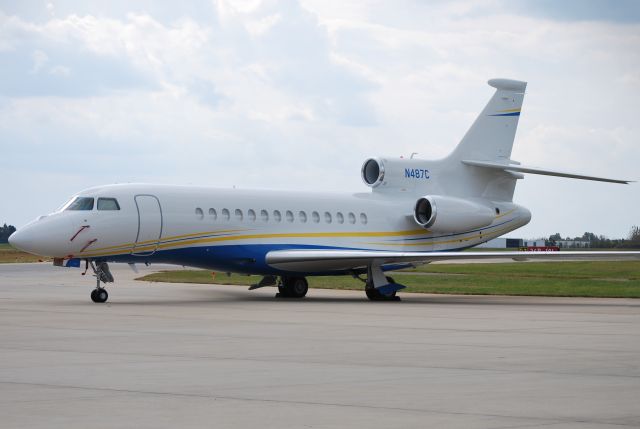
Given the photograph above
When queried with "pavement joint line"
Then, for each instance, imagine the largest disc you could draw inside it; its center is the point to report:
(272, 360)
(377, 326)
(556, 420)
(351, 341)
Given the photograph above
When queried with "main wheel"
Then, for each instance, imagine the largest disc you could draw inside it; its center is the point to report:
(293, 287)
(99, 295)
(375, 295)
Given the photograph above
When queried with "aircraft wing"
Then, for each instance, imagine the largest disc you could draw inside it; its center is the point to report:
(336, 260)
(535, 170)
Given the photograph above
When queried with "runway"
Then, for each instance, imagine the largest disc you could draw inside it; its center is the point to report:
(187, 356)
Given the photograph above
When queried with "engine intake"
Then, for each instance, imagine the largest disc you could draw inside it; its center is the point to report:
(450, 214)
(373, 172)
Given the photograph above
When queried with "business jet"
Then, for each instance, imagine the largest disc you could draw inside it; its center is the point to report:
(418, 211)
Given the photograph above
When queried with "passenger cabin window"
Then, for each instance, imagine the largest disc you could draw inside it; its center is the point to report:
(277, 216)
(239, 215)
(199, 213)
(352, 217)
(363, 218)
(340, 217)
(225, 214)
(213, 214)
(327, 217)
(303, 217)
(315, 216)
(252, 215)
(264, 215)
(108, 204)
(81, 203)
(289, 216)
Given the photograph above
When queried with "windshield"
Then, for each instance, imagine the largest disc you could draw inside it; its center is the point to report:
(108, 204)
(80, 203)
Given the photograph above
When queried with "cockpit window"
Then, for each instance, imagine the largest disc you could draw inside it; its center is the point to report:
(108, 204)
(81, 203)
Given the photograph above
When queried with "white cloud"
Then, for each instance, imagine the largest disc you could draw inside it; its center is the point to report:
(60, 71)
(39, 60)
(312, 89)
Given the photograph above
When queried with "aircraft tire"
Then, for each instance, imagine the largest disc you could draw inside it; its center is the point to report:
(293, 287)
(99, 295)
(375, 295)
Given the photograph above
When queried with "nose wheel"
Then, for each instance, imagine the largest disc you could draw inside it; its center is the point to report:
(99, 295)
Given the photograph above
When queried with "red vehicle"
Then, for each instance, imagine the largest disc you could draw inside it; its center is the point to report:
(541, 249)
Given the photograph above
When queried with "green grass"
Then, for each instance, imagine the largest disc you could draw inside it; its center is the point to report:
(583, 279)
(10, 255)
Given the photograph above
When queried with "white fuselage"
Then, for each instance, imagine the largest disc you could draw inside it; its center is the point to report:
(232, 230)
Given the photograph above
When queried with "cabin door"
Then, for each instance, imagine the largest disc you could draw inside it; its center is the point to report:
(149, 225)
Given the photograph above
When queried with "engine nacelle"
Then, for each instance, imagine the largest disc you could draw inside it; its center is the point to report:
(395, 174)
(449, 214)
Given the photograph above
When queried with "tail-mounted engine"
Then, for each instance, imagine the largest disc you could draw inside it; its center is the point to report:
(449, 214)
(395, 174)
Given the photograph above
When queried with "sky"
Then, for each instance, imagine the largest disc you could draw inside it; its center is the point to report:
(297, 94)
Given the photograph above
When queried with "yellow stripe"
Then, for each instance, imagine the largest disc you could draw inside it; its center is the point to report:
(175, 237)
(492, 233)
(504, 214)
(126, 248)
(259, 236)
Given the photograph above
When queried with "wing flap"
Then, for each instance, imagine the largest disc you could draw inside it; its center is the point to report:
(338, 260)
(535, 170)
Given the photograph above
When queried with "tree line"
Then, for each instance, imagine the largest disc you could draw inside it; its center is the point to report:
(5, 232)
(600, 241)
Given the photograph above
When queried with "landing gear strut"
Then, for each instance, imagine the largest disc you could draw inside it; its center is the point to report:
(292, 287)
(102, 273)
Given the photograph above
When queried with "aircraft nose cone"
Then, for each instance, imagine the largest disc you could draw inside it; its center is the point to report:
(21, 241)
(45, 236)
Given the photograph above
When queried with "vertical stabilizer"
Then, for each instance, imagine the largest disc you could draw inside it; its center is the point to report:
(490, 138)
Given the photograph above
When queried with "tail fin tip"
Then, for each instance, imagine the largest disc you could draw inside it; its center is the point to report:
(508, 84)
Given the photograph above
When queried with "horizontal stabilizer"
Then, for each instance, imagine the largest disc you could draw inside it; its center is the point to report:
(541, 171)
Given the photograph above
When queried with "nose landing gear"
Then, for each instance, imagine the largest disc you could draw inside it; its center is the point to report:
(102, 274)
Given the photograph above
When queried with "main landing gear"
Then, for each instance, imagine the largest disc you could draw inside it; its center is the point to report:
(379, 287)
(102, 274)
(292, 287)
(288, 287)
(377, 295)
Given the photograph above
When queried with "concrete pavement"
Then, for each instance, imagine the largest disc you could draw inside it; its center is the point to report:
(172, 355)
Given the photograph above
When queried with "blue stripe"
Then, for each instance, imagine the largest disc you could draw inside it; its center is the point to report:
(247, 259)
(507, 114)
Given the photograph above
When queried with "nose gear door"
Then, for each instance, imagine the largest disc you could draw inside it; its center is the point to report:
(149, 225)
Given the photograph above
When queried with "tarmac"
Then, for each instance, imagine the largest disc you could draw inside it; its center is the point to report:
(191, 356)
